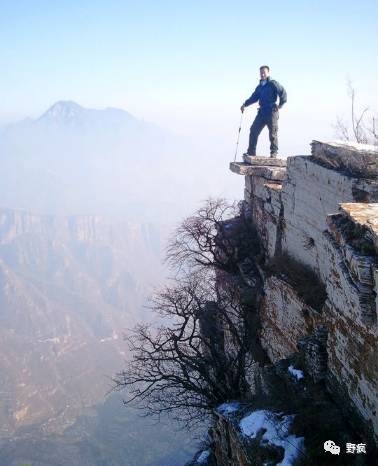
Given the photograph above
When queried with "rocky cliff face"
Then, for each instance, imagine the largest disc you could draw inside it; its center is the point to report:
(316, 217)
(311, 210)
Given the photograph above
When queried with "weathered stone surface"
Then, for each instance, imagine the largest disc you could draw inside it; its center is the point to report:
(285, 318)
(363, 214)
(267, 161)
(258, 185)
(229, 449)
(310, 193)
(241, 168)
(354, 265)
(351, 317)
(300, 216)
(314, 348)
(267, 172)
(356, 159)
(264, 199)
(266, 224)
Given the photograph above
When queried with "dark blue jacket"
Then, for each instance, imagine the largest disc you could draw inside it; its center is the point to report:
(267, 95)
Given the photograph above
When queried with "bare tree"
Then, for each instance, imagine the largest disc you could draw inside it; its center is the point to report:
(208, 239)
(195, 242)
(363, 123)
(373, 130)
(181, 366)
(200, 354)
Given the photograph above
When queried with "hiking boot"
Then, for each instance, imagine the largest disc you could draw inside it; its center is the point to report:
(273, 155)
(249, 155)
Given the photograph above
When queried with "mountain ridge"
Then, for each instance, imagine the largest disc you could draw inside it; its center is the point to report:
(68, 289)
(70, 113)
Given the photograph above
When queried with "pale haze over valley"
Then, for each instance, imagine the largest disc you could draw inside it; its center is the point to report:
(116, 122)
(82, 234)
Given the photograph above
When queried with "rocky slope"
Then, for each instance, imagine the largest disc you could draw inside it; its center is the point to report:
(69, 287)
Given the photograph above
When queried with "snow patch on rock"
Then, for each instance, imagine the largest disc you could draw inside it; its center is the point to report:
(203, 457)
(276, 427)
(228, 408)
(295, 372)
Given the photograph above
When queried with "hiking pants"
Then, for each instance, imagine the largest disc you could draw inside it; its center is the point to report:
(263, 119)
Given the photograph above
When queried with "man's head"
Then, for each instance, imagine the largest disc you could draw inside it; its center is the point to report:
(264, 72)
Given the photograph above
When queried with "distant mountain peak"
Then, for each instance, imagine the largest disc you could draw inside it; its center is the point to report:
(63, 111)
(67, 113)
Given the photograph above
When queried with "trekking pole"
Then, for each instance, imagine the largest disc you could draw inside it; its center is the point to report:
(237, 142)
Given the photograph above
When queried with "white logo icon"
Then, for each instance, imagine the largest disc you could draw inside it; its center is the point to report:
(331, 446)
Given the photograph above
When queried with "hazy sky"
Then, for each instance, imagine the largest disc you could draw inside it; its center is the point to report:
(188, 66)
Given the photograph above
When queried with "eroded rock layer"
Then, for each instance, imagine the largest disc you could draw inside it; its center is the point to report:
(317, 219)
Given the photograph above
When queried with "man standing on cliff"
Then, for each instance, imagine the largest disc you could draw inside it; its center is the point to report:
(266, 93)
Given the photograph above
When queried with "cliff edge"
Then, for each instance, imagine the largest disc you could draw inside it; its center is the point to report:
(316, 217)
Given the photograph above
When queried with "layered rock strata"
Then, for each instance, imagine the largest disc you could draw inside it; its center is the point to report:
(313, 306)
(317, 215)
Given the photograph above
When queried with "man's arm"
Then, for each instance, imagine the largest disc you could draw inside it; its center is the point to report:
(254, 97)
(281, 94)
